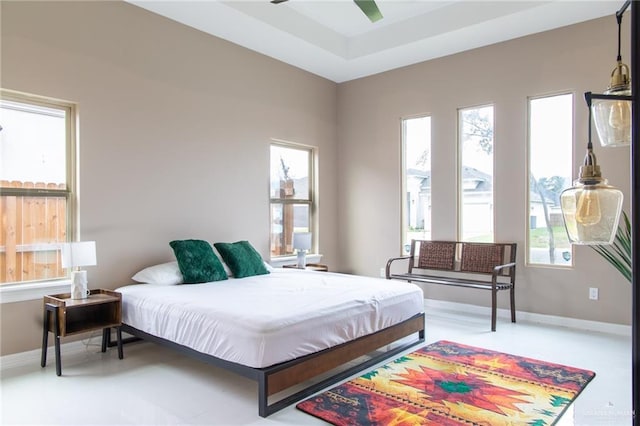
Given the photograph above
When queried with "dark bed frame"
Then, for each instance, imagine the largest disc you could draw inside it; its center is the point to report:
(280, 377)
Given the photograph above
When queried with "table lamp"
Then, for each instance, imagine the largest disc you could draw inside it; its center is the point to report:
(75, 255)
(302, 243)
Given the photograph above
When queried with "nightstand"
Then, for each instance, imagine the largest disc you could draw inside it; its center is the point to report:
(64, 316)
(310, 267)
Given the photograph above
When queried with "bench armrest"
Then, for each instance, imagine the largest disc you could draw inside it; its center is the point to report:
(499, 268)
(387, 271)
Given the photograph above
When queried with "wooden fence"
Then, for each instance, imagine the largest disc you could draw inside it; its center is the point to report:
(33, 228)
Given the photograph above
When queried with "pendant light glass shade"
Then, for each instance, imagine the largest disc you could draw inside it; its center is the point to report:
(591, 208)
(591, 212)
(612, 117)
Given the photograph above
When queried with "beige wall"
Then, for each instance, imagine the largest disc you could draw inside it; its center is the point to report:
(175, 128)
(572, 59)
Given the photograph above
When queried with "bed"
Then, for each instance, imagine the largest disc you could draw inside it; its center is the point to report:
(282, 328)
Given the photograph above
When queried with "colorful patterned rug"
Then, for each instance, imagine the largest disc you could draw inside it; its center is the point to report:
(448, 383)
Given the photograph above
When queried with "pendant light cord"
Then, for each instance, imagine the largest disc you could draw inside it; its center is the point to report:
(587, 98)
(619, 14)
(619, 19)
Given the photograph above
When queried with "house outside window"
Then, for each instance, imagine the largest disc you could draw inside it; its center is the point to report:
(475, 174)
(37, 187)
(416, 180)
(291, 194)
(550, 169)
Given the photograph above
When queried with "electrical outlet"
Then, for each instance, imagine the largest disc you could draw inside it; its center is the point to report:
(593, 293)
(383, 273)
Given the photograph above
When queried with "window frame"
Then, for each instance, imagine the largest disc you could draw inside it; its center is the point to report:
(527, 257)
(460, 178)
(310, 202)
(29, 290)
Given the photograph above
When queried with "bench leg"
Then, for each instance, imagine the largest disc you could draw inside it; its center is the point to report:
(494, 302)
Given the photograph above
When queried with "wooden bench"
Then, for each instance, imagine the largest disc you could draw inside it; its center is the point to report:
(485, 266)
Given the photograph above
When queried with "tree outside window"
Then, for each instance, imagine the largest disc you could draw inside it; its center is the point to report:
(550, 166)
(475, 176)
(416, 203)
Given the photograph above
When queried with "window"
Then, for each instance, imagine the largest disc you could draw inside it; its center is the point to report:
(416, 169)
(292, 203)
(36, 186)
(475, 176)
(550, 166)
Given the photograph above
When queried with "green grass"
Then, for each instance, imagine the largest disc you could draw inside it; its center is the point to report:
(539, 238)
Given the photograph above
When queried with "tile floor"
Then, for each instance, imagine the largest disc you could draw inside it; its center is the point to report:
(155, 386)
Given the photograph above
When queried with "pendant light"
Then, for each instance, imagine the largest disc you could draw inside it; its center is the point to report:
(612, 117)
(591, 208)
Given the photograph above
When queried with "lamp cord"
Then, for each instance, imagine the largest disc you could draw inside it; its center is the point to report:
(587, 98)
(619, 14)
(619, 19)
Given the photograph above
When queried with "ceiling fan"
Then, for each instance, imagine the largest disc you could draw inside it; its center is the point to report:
(368, 7)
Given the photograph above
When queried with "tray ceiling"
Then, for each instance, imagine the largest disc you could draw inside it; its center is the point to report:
(335, 40)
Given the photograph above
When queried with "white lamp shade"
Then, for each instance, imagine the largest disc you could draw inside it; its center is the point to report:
(82, 253)
(302, 240)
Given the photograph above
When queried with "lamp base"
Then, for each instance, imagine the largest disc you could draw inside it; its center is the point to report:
(79, 288)
(302, 259)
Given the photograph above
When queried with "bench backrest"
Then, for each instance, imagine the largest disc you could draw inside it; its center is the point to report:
(459, 256)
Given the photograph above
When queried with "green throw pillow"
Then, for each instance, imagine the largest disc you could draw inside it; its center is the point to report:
(197, 261)
(242, 259)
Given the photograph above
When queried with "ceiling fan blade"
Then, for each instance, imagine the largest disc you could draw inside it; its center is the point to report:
(277, 1)
(370, 9)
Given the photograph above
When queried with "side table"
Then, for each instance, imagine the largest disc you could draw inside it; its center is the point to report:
(64, 316)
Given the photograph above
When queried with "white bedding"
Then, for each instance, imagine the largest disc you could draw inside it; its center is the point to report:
(267, 319)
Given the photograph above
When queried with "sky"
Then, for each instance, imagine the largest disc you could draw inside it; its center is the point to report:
(551, 136)
(32, 144)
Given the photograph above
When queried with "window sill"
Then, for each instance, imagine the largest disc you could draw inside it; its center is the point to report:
(277, 262)
(11, 293)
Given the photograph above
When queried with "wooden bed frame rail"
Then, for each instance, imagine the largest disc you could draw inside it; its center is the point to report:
(280, 377)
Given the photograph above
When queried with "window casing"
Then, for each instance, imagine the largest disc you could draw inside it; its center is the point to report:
(475, 174)
(416, 180)
(292, 192)
(37, 187)
(550, 165)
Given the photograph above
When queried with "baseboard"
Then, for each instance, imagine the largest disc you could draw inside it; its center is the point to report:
(579, 324)
(69, 350)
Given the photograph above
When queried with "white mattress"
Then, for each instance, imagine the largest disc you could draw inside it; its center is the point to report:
(267, 319)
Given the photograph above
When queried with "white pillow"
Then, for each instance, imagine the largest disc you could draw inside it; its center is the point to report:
(163, 274)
